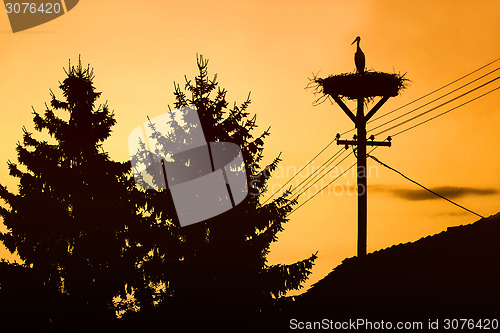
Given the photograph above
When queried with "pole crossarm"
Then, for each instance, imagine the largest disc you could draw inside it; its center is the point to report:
(368, 143)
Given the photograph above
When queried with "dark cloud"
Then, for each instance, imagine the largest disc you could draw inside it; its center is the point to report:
(450, 192)
(455, 212)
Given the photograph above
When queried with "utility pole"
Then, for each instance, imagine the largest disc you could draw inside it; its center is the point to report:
(361, 142)
(360, 86)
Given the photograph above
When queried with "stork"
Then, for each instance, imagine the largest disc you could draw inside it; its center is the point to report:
(359, 57)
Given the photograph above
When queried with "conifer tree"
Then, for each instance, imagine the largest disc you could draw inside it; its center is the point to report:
(89, 235)
(216, 269)
(70, 220)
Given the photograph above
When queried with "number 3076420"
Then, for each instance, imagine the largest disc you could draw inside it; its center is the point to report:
(33, 8)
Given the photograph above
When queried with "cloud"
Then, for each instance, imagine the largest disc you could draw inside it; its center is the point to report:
(418, 194)
(455, 212)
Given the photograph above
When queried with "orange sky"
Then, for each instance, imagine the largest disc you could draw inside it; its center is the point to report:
(138, 48)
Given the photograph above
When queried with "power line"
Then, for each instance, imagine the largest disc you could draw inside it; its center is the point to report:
(422, 186)
(322, 188)
(295, 175)
(326, 164)
(436, 107)
(312, 160)
(445, 112)
(434, 91)
(326, 173)
(434, 100)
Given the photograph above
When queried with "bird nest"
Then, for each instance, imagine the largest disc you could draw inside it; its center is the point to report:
(356, 85)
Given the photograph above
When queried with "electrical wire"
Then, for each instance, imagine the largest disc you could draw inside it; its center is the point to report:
(295, 175)
(436, 107)
(438, 98)
(440, 114)
(302, 204)
(331, 182)
(434, 91)
(422, 186)
(326, 173)
(315, 173)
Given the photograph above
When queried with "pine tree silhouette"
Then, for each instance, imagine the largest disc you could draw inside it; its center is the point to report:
(93, 244)
(70, 220)
(216, 270)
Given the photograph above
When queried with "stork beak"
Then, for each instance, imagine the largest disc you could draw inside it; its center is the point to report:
(354, 41)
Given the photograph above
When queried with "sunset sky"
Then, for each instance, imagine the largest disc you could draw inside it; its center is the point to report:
(272, 48)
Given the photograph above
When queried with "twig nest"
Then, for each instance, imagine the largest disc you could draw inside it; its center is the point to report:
(366, 85)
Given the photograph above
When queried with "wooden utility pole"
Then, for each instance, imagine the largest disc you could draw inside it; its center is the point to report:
(360, 86)
(361, 142)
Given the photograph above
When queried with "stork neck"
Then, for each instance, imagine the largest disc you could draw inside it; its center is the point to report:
(357, 44)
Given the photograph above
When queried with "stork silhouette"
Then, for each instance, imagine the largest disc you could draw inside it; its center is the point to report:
(359, 57)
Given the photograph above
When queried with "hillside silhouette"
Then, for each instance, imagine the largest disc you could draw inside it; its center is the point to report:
(453, 274)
